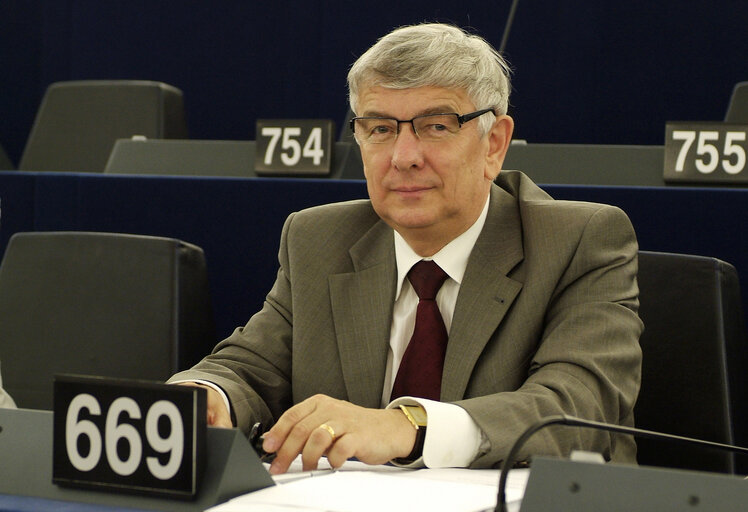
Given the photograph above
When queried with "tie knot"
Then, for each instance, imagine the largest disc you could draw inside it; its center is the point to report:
(426, 277)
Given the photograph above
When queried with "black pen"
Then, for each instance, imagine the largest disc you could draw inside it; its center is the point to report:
(256, 439)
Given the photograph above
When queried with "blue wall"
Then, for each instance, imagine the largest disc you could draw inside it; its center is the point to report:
(585, 71)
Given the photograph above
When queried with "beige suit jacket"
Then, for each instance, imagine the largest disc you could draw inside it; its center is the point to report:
(545, 322)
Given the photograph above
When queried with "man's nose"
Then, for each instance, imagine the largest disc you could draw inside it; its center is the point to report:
(407, 151)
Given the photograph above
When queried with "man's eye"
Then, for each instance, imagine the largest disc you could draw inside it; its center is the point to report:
(437, 127)
(381, 130)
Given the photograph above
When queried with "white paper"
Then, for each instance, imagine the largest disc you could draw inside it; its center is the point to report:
(357, 487)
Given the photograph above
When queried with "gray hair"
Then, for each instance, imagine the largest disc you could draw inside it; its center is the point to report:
(434, 54)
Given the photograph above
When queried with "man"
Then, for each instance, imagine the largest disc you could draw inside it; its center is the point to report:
(539, 299)
(5, 400)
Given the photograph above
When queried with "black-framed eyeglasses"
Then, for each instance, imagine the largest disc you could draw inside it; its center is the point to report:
(427, 127)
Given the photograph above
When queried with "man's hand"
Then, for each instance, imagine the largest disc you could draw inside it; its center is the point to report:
(322, 425)
(218, 415)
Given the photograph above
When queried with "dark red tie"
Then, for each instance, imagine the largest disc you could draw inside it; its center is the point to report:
(420, 372)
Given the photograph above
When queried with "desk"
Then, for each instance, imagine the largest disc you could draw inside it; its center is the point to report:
(355, 487)
(232, 470)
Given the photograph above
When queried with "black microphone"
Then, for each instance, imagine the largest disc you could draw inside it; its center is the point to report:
(572, 421)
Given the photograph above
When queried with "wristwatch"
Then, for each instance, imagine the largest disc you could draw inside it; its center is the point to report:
(418, 418)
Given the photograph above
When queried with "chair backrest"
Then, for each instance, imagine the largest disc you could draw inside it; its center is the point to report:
(737, 111)
(694, 371)
(346, 134)
(105, 304)
(5, 163)
(78, 122)
(354, 160)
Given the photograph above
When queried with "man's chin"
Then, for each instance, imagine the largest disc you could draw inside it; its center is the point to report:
(413, 223)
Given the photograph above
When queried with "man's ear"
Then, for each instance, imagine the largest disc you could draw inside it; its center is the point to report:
(499, 138)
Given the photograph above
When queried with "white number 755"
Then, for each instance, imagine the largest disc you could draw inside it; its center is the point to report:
(703, 148)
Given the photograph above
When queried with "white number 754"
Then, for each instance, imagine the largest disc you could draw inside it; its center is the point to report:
(312, 147)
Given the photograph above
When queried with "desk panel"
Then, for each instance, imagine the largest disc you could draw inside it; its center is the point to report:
(10, 503)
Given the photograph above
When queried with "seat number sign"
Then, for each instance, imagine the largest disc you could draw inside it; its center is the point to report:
(128, 436)
(294, 146)
(706, 152)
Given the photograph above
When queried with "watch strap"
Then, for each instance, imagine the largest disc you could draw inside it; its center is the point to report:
(417, 417)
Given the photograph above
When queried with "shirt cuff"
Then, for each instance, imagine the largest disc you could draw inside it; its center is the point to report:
(453, 439)
(212, 386)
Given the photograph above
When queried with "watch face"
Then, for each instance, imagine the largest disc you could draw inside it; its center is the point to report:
(417, 413)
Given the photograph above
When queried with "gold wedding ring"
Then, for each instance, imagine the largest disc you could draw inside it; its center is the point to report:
(329, 429)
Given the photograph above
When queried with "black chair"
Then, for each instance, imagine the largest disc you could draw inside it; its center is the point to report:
(694, 373)
(107, 304)
(78, 122)
(5, 163)
(737, 111)
(346, 134)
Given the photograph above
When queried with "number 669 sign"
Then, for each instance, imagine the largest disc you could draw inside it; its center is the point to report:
(130, 436)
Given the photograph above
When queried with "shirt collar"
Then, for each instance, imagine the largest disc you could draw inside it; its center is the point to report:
(452, 258)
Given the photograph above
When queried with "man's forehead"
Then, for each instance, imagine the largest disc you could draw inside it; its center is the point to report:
(415, 101)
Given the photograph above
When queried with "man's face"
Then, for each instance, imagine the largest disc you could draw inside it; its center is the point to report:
(430, 192)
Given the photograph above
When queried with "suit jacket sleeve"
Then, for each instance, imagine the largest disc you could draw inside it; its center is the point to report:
(253, 365)
(323, 327)
(575, 324)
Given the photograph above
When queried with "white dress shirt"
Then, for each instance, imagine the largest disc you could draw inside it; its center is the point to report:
(453, 439)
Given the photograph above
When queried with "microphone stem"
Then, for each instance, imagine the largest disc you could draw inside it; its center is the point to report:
(508, 26)
(563, 419)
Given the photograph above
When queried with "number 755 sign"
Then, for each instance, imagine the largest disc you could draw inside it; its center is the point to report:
(706, 152)
(294, 146)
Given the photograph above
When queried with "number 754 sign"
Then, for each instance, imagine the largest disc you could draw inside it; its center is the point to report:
(706, 152)
(294, 146)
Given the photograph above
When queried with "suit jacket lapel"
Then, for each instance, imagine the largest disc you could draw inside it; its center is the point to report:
(362, 313)
(486, 293)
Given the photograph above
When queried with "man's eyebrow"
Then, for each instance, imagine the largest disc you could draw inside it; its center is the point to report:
(439, 109)
(374, 113)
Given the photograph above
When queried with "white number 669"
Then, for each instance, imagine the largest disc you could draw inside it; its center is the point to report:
(116, 432)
